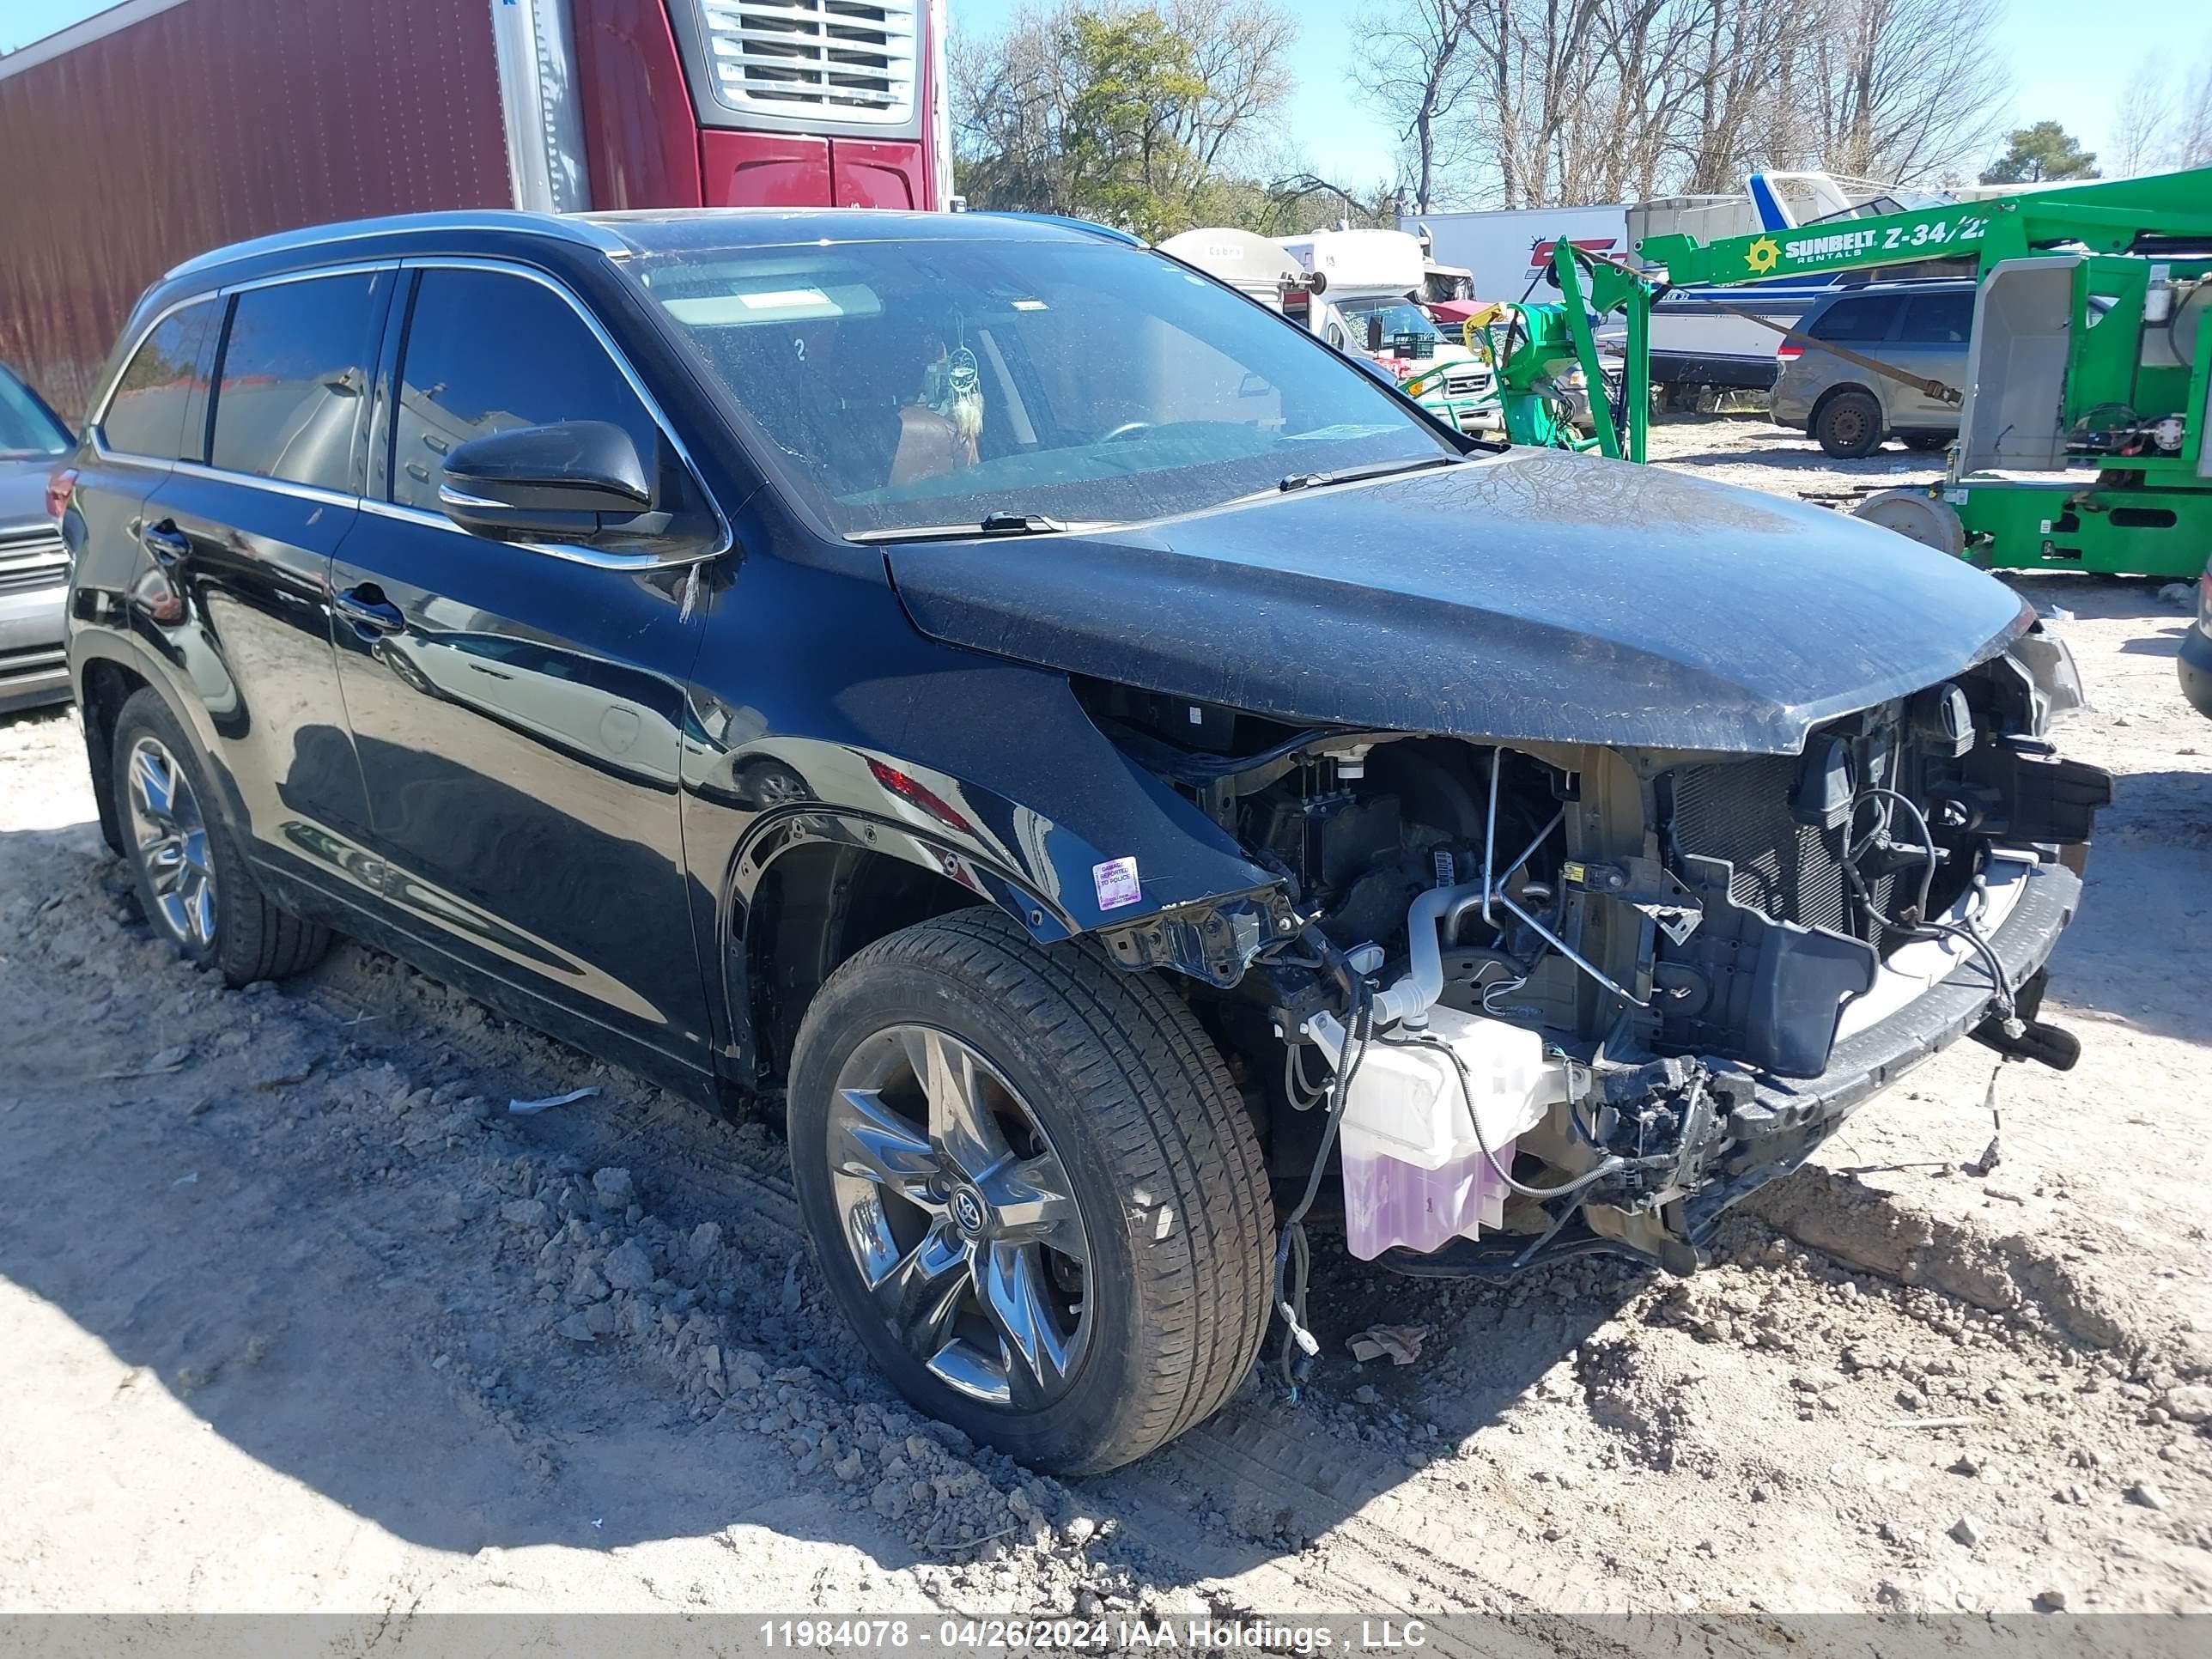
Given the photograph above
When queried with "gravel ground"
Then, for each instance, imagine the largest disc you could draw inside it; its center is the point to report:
(294, 1314)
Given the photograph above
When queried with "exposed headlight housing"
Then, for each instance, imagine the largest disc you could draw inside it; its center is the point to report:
(2048, 662)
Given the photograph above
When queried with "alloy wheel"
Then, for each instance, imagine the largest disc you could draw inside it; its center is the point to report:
(960, 1217)
(171, 836)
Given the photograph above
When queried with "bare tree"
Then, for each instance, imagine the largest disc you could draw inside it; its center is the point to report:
(1412, 57)
(2140, 125)
(1293, 198)
(1241, 50)
(1537, 99)
(1536, 102)
(1903, 89)
(1742, 110)
(2192, 142)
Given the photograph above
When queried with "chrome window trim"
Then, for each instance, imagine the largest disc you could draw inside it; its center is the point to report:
(129, 458)
(208, 296)
(593, 556)
(605, 561)
(262, 481)
(278, 279)
(598, 558)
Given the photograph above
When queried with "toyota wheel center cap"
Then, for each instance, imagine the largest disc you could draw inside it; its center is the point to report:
(969, 1213)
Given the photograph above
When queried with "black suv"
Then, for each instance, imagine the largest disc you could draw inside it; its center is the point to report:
(1096, 760)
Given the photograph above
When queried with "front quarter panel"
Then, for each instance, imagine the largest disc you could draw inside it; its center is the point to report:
(819, 713)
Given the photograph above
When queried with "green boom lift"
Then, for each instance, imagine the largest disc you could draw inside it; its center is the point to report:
(2082, 442)
(1532, 347)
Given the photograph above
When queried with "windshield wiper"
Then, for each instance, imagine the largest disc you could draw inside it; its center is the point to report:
(994, 524)
(1355, 474)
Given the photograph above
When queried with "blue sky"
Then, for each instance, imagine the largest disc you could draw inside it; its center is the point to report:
(2061, 71)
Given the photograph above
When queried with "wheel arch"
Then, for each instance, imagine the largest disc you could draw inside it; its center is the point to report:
(809, 888)
(109, 669)
(104, 686)
(1829, 394)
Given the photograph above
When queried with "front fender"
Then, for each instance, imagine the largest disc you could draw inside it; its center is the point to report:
(1056, 878)
(789, 829)
(817, 713)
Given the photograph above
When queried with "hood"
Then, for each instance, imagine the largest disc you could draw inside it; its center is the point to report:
(1541, 596)
(23, 492)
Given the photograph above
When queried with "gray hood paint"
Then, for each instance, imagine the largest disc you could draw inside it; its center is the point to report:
(1539, 596)
(23, 492)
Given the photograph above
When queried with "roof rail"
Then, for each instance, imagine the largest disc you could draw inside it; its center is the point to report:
(563, 227)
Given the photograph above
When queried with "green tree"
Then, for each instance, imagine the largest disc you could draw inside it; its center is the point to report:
(2046, 150)
(1123, 137)
(1151, 116)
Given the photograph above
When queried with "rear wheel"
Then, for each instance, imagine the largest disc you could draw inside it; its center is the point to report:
(1033, 1188)
(1849, 424)
(193, 881)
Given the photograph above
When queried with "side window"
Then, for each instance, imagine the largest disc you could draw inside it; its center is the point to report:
(294, 372)
(486, 351)
(1860, 319)
(164, 382)
(1938, 318)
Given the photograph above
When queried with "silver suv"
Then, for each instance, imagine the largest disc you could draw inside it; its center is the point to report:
(34, 568)
(1922, 329)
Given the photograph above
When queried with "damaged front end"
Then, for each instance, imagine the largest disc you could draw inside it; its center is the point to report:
(1534, 999)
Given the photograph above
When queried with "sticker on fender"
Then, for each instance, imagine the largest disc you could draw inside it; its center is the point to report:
(1117, 882)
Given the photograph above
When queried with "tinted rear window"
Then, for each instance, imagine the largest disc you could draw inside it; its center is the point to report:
(146, 415)
(1938, 318)
(295, 378)
(1866, 317)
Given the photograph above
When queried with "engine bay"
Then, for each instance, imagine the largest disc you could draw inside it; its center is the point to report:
(1633, 949)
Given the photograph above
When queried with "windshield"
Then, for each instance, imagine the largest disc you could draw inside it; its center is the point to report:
(26, 428)
(1399, 318)
(939, 382)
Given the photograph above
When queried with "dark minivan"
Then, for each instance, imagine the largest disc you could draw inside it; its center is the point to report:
(1091, 759)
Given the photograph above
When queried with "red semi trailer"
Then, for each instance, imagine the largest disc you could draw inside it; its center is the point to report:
(158, 128)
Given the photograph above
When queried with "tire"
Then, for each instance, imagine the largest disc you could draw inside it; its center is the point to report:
(1849, 424)
(1917, 516)
(1131, 1104)
(1927, 443)
(206, 902)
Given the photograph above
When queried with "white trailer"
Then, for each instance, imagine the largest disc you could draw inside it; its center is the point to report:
(1504, 251)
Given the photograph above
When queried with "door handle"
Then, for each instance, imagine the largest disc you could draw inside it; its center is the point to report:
(369, 612)
(168, 544)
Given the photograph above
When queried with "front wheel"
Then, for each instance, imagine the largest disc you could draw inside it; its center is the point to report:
(1032, 1188)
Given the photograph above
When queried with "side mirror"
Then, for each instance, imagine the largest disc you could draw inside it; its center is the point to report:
(577, 481)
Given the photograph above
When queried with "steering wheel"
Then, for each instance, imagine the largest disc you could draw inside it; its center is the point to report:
(1127, 430)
